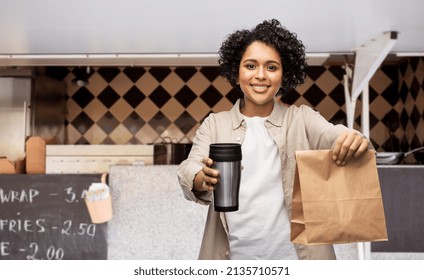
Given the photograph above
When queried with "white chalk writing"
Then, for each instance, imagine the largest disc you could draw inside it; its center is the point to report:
(26, 196)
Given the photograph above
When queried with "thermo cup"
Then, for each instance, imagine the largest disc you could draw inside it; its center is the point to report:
(227, 160)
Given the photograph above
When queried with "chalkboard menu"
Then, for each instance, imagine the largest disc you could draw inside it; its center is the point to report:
(44, 217)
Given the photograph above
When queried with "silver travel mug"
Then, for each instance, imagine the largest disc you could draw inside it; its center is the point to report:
(227, 160)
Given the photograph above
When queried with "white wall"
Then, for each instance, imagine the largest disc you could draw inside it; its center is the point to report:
(190, 26)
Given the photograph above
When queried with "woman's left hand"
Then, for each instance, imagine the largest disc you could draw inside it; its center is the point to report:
(350, 144)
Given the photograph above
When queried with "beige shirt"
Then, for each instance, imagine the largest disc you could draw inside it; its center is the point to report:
(292, 128)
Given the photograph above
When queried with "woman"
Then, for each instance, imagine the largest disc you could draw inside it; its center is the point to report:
(261, 63)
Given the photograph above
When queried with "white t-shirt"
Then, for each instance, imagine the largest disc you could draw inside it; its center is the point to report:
(260, 229)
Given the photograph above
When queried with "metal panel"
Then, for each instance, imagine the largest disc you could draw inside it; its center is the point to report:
(15, 97)
(402, 188)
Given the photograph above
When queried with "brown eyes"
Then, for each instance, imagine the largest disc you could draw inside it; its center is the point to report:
(269, 68)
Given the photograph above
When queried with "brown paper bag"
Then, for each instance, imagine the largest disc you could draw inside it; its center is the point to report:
(336, 204)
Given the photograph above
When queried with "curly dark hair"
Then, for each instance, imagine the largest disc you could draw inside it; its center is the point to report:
(291, 50)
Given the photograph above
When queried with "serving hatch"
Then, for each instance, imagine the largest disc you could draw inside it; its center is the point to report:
(94, 158)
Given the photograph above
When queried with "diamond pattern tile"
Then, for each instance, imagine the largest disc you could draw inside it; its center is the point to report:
(108, 141)
(211, 73)
(97, 84)
(379, 134)
(185, 122)
(290, 97)
(415, 117)
(314, 95)
(380, 81)
(338, 95)
(408, 76)
(315, 72)
(404, 119)
(185, 96)
(134, 122)
(391, 144)
(185, 73)
(146, 135)
(303, 88)
(339, 118)
(402, 68)
(139, 105)
(82, 72)
(198, 110)
(222, 85)
(134, 73)
(372, 95)
(392, 120)
(420, 128)
(415, 143)
(147, 109)
(72, 134)
(403, 92)
(172, 83)
(414, 63)
(83, 97)
(420, 71)
(327, 108)
(415, 88)
(95, 110)
(379, 107)
(120, 135)
(108, 97)
(172, 109)
(147, 84)
(337, 71)
(95, 135)
(222, 105)
(391, 71)
(404, 144)
(198, 83)
(391, 97)
(160, 73)
(134, 141)
(159, 122)
(173, 133)
(108, 73)
(121, 83)
(82, 122)
(108, 123)
(327, 82)
(373, 120)
(134, 97)
(233, 95)
(211, 96)
(82, 141)
(159, 96)
(121, 110)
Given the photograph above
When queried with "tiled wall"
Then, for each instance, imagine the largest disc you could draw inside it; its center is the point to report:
(411, 95)
(140, 105)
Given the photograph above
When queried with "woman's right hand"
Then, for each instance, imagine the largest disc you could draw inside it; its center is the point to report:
(207, 177)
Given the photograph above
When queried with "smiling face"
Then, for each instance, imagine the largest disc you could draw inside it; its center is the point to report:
(260, 78)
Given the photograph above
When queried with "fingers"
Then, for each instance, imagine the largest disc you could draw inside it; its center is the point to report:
(209, 175)
(350, 144)
(338, 146)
